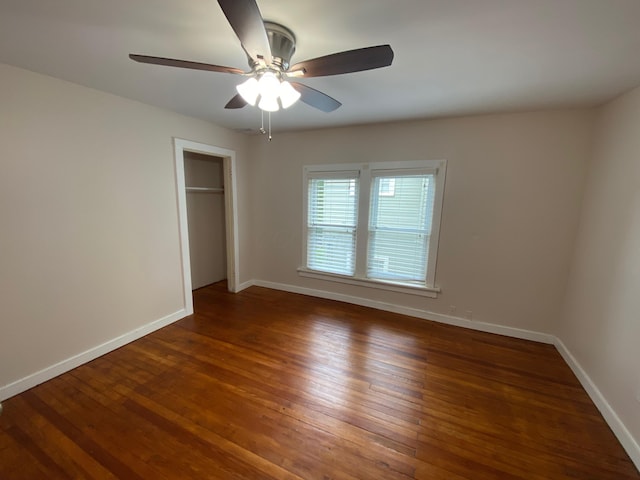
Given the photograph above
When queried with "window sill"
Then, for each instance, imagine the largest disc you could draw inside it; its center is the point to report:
(431, 292)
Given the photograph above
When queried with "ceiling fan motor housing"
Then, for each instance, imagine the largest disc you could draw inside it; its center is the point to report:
(283, 45)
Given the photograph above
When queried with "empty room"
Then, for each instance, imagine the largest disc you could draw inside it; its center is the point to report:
(267, 239)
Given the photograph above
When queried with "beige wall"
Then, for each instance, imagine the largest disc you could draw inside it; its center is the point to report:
(601, 323)
(511, 203)
(89, 244)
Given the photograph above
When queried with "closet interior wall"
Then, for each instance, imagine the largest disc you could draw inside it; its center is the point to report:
(204, 180)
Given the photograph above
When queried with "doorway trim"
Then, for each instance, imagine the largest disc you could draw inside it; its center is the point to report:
(231, 215)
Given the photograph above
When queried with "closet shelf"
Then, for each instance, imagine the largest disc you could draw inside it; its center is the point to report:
(205, 190)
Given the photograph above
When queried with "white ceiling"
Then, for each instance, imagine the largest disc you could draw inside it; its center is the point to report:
(452, 57)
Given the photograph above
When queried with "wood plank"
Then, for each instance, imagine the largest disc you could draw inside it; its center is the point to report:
(272, 385)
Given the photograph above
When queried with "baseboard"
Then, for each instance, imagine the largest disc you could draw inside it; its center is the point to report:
(245, 285)
(59, 368)
(413, 312)
(619, 429)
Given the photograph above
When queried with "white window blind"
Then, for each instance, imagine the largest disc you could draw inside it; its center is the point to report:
(400, 226)
(331, 223)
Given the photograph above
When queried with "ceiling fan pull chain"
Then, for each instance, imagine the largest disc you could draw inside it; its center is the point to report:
(262, 130)
(269, 126)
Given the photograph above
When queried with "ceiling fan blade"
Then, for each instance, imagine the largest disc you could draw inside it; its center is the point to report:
(183, 64)
(315, 98)
(246, 20)
(236, 102)
(345, 62)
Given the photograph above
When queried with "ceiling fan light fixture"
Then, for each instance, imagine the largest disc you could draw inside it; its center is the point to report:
(249, 91)
(268, 89)
(288, 94)
(269, 85)
(269, 104)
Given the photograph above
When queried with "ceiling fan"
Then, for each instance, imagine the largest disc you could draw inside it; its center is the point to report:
(269, 48)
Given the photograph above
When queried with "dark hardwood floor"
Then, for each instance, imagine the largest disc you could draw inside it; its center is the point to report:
(271, 385)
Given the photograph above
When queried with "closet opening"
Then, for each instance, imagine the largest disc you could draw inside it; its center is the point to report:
(205, 181)
(205, 218)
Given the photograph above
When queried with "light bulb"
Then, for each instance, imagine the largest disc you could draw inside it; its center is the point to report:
(249, 91)
(288, 94)
(269, 103)
(269, 85)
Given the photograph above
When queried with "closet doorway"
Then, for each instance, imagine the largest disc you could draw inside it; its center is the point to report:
(205, 181)
(205, 218)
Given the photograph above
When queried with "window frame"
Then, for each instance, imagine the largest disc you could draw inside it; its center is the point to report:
(366, 173)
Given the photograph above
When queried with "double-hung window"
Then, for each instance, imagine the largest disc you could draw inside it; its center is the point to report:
(331, 222)
(374, 224)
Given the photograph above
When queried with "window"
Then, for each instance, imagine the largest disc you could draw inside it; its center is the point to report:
(399, 228)
(331, 223)
(374, 224)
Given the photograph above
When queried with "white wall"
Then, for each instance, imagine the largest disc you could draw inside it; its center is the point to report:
(89, 244)
(512, 196)
(601, 322)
